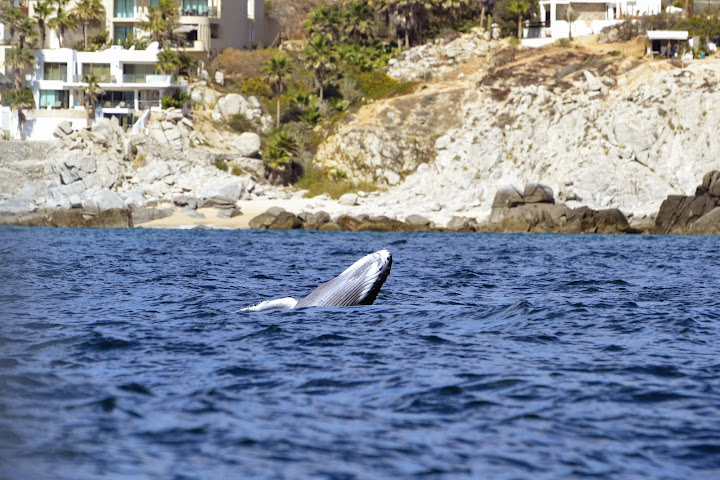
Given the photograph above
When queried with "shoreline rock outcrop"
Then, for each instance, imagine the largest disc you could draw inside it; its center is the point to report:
(697, 214)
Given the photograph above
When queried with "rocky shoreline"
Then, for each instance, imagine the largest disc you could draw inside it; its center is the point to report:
(533, 210)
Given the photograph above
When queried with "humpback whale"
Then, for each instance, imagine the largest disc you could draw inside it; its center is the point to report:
(358, 285)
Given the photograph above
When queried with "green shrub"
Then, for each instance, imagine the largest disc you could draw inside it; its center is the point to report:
(256, 87)
(240, 123)
(281, 147)
(177, 100)
(377, 84)
(237, 171)
(317, 182)
(221, 165)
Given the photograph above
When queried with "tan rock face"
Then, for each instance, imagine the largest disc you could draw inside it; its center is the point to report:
(386, 141)
(647, 133)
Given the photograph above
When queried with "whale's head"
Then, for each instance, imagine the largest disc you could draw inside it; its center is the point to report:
(377, 270)
(359, 284)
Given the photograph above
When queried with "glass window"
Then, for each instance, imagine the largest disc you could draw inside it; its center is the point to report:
(122, 33)
(55, 71)
(195, 7)
(100, 70)
(54, 98)
(117, 100)
(136, 72)
(124, 8)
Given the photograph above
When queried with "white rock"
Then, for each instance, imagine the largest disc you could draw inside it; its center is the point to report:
(246, 144)
(106, 200)
(348, 199)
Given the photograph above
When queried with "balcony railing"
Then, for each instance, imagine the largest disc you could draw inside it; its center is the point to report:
(100, 78)
(145, 78)
(195, 12)
(143, 104)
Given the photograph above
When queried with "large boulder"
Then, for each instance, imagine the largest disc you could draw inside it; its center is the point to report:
(537, 193)
(106, 199)
(348, 199)
(63, 129)
(262, 221)
(313, 221)
(286, 221)
(231, 104)
(507, 196)
(535, 211)
(247, 144)
(348, 223)
(692, 214)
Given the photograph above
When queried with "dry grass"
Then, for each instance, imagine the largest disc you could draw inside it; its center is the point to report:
(242, 64)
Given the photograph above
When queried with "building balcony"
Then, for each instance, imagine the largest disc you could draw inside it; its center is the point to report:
(211, 12)
(159, 80)
(100, 78)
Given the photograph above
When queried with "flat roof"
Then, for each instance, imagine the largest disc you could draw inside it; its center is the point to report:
(668, 34)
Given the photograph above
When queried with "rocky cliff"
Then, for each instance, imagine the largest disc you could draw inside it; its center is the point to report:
(601, 130)
(76, 178)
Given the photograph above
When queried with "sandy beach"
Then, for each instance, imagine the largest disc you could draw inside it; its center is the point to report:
(249, 208)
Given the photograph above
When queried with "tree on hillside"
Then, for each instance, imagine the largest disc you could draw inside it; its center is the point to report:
(43, 10)
(358, 21)
(278, 72)
(161, 22)
(21, 99)
(89, 13)
(485, 6)
(19, 60)
(322, 58)
(91, 95)
(570, 17)
(519, 8)
(63, 20)
(453, 8)
(325, 21)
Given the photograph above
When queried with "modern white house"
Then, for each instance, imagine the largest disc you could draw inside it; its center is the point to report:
(128, 78)
(206, 26)
(592, 16)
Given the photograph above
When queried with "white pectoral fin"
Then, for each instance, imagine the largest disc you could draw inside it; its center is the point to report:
(286, 302)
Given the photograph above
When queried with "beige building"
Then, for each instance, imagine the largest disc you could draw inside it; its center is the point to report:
(206, 26)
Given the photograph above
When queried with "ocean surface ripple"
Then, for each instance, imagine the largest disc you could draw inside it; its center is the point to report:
(123, 355)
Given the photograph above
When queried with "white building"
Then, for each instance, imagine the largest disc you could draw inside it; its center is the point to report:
(206, 26)
(592, 16)
(128, 78)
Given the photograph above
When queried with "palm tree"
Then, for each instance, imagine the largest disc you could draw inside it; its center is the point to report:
(278, 72)
(519, 7)
(91, 94)
(453, 7)
(13, 19)
(18, 59)
(21, 99)
(42, 11)
(322, 58)
(62, 21)
(89, 13)
(358, 21)
(484, 5)
(570, 16)
(161, 22)
(325, 21)
(168, 62)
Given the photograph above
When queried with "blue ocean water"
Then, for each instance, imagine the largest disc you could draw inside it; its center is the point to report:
(123, 356)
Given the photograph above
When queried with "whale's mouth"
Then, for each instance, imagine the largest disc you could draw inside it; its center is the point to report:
(381, 265)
